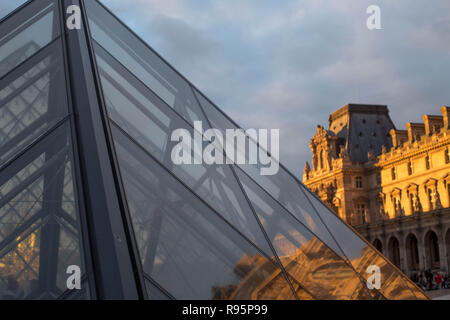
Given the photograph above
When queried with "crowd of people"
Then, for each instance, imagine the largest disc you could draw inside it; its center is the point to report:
(428, 280)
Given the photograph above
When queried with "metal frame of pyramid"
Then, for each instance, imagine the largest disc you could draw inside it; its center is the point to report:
(86, 179)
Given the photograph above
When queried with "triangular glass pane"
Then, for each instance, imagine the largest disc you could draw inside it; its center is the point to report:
(185, 246)
(280, 186)
(142, 62)
(143, 117)
(362, 255)
(32, 100)
(39, 239)
(306, 258)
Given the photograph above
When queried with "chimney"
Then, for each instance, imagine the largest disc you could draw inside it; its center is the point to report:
(398, 137)
(446, 115)
(432, 124)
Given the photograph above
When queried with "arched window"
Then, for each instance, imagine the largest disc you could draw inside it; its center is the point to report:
(432, 250)
(412, 250)
(394, 251)
(378, 245)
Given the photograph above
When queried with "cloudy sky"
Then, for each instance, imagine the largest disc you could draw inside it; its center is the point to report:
(289, 64)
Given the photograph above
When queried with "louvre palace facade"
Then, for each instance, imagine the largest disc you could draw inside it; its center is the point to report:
(392, 185)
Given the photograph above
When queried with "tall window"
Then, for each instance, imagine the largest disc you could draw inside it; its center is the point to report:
(361, 212)
(428, 162)
(410, 168)
(393, 173)
(321, 159)
(447, 156)
(359, 183)
(397, 206)
(378, 178)
(430, 199)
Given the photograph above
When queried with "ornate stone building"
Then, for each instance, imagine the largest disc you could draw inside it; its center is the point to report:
(392, 185)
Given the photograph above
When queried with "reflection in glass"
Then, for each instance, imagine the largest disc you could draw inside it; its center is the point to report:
(32, 99)
(20, 41)
(184, 246)
(39, 229)
(280, 186)
(137, 111)
(308, 260)
(154, 293)
(361, 256)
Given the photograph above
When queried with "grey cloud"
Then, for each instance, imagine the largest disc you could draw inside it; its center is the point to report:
(288, 64)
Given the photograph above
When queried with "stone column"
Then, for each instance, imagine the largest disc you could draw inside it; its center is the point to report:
(421, 248)
(403, 258)
(442, 249)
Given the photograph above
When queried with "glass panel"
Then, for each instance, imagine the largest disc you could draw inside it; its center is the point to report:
(142, 62)
(149, 122)
(32, 99)
(320, 270)
(280, 186)
(184, 245)
(27, 32)
(154, 293)
(361, 255)
(39, 230)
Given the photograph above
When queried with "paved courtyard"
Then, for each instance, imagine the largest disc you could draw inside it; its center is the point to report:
(443, 294)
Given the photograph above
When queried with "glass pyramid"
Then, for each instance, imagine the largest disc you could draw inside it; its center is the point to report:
(86, 180)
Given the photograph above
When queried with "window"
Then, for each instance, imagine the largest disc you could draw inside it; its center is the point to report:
(410, 168)
(447, 156)
(397, 206)
(428, 163)
(378, 178)
(359, 183)
(321, 159)
(361, 212)
(430, 198)
(393, 173)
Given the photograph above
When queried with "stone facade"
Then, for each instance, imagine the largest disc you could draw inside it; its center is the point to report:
(392, 185)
